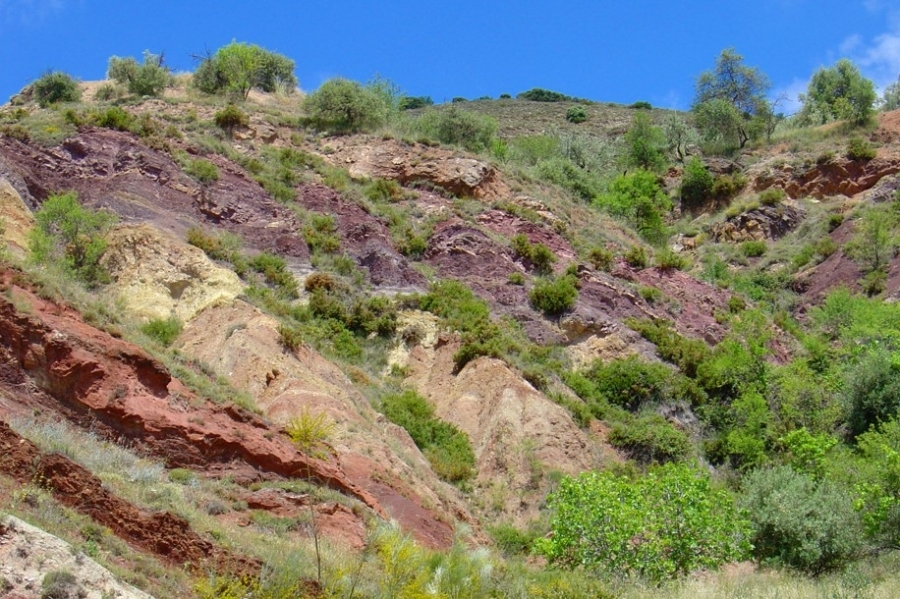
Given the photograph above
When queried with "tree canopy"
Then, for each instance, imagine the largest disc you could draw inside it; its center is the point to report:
(238, 67)
(730, 102)
(838, 93)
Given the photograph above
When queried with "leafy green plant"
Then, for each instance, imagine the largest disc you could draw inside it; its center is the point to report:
(345, 106)
(456, 126)
(636, 257)
(447, 448)
(54, 87)
(71, 236)
(640, 201)
(538, 254)
(838, 92)
(772, 196)
(576, 114)
(696, 184)
(543, 95)
(553, 296)
(113, 117)
(644, 144)
(650, 438)
(237, 68)
(204, 171)
(800, 522)
(163, 330)
(754, 248)
(665, 524)
(859, 149)
(150, 78)
(600, 258)
(670, 260)
(231, 117)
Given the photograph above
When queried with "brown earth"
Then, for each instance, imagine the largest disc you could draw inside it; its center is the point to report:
(408, 164)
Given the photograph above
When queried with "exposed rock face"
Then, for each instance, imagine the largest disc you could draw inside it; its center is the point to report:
(115, 170)
(247, 350)
(364, 237)
(508, 225)
(16, 219)
(517, 433)
(765, 222)
(158, 276)
(838, 176)
(365, 157)
(28, 553)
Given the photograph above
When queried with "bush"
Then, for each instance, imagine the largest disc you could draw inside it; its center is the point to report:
(565, 173)
(538, 254)
(640, 201)
(237, 68)
(650, 438)
(600, 258)
(859, 149)
(665, 524)
(230, 118)
(344, 106)
(642, 106)
(644, 144)
(754, 248)
(684, 352)
(113, 118)
(321, 234)
(636, 257)
(669, 260)
(455, 126)
(554, 296)
(542, 95)
(799, 522)
(204, 171)
(384, 190)
(60, 584)
(163, 330)
(447, 448)
(772, 196)
(414, 102)
(725, 187)
(54, 87)
(872, 391)
(696, 184)
(71, 236)
(148, 79)
(576, 114)
(631, 382)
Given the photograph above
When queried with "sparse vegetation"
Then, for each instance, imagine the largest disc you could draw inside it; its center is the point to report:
(54, 87)
(149, 78)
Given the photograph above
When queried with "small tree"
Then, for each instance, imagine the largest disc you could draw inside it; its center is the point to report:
(237, 68)
(696, 184)
(148, 79)
(890, 99)
(644, 143)
(639, 199)
(72, 236)
(838, 93)
(730, 102)
(344, 106)
(56, 86)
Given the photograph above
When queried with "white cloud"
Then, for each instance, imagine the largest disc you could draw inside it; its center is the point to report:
(850, 44)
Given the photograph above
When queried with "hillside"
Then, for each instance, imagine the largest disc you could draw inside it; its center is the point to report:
(245, 354)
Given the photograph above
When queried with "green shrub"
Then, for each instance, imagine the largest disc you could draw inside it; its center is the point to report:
(644, 144)
(600, 258)
(274, 269)
(414, 102)
(800, 522)
(345, 106)
(640, 201)
(542, 95)
(72, 237)
(642, 106)
(636, 257)
(230, 118)
(148, 79)
(447, 448)
(204, 171)
(54, 87)
(113, 118)
(872, 390)
(107, 92)
(60, 584)
(859, 149)
(321, 234)
(651, 295)
(553, 296)
(237, 68)
(182, 476)
(163, 330)
(576, 114)
(835, 221)
(565, 173)
(725, 187)
(669, 260)
(650, 438)
(754, 248)
(684, 352)
(665, 524)
(538, 254)
(696, 184)
(516, 278)
(384, 190)
(455, 126)
(772, 196)
(631, 382)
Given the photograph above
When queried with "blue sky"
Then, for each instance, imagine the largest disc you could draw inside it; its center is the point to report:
(620, 51)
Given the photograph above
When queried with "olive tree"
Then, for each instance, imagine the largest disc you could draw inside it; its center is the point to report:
(148, 79)
(730, 103)
(839, 92)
